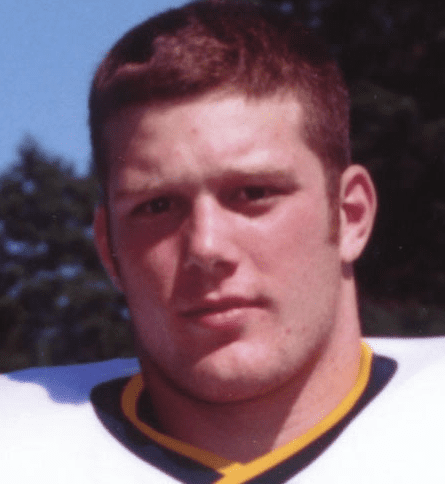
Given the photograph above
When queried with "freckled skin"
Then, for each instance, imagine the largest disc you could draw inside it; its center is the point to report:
(213, 200)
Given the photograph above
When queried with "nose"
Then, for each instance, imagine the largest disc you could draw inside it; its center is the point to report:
(209, 243)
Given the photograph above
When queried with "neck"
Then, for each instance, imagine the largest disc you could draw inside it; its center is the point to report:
(242, 431)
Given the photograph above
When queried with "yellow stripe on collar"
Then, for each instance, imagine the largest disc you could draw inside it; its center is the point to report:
(235, 472)
(237, 475)
(129, 399)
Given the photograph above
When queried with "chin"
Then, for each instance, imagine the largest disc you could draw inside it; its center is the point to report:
(214, 389)
(225, 379)
(233, 372)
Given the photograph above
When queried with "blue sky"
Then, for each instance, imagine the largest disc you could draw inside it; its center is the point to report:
(48, 54)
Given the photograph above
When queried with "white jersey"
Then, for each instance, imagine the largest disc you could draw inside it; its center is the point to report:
(389, 429)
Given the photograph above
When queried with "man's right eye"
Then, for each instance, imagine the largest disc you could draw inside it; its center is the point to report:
(155, 206)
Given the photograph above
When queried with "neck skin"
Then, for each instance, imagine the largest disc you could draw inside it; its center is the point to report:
(242, 431)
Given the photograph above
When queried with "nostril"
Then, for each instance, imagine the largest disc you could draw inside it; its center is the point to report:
(208, 263)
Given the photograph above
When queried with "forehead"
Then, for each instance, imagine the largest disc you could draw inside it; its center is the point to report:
(213, 111)
(209, 134)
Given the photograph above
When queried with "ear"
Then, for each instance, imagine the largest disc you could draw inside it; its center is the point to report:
(358, 205)
(104, 246)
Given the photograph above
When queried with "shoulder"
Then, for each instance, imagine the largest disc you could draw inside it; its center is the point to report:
(397, 437)
(48, 427)
(30, 395)
(33, 399)
(413, 353)
(420, 368)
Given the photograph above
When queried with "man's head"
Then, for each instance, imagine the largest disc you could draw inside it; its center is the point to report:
(225, 46)
(216, 126)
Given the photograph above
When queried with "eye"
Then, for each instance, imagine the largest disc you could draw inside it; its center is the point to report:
(255, 192)
(156, 206)
(255, 199)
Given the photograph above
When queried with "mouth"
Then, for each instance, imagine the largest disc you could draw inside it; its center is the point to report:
(227, 312)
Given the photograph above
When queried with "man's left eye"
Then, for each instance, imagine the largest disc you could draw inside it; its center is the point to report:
(252, 193)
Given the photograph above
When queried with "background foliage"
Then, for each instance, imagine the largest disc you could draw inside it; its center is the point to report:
(56, 304)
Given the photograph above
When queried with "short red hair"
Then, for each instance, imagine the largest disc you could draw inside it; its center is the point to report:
(225, 45)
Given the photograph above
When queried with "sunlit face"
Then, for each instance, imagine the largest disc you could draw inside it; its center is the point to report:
(219, 222)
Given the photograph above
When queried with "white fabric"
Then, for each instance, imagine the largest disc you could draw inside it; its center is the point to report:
(49, 432)
(399, 436)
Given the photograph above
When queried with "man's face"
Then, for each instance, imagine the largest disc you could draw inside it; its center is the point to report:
(219, 222)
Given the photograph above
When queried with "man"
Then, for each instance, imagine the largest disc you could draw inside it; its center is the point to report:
(231, 219)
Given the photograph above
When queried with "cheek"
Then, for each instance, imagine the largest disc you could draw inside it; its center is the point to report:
(293, 237)
(148, 268)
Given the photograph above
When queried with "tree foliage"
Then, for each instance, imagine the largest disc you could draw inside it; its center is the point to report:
(56, 305)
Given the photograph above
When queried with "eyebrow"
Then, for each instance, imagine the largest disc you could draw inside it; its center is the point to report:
(237, 175)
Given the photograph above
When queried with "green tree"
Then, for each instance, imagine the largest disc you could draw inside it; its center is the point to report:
(56, 305)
